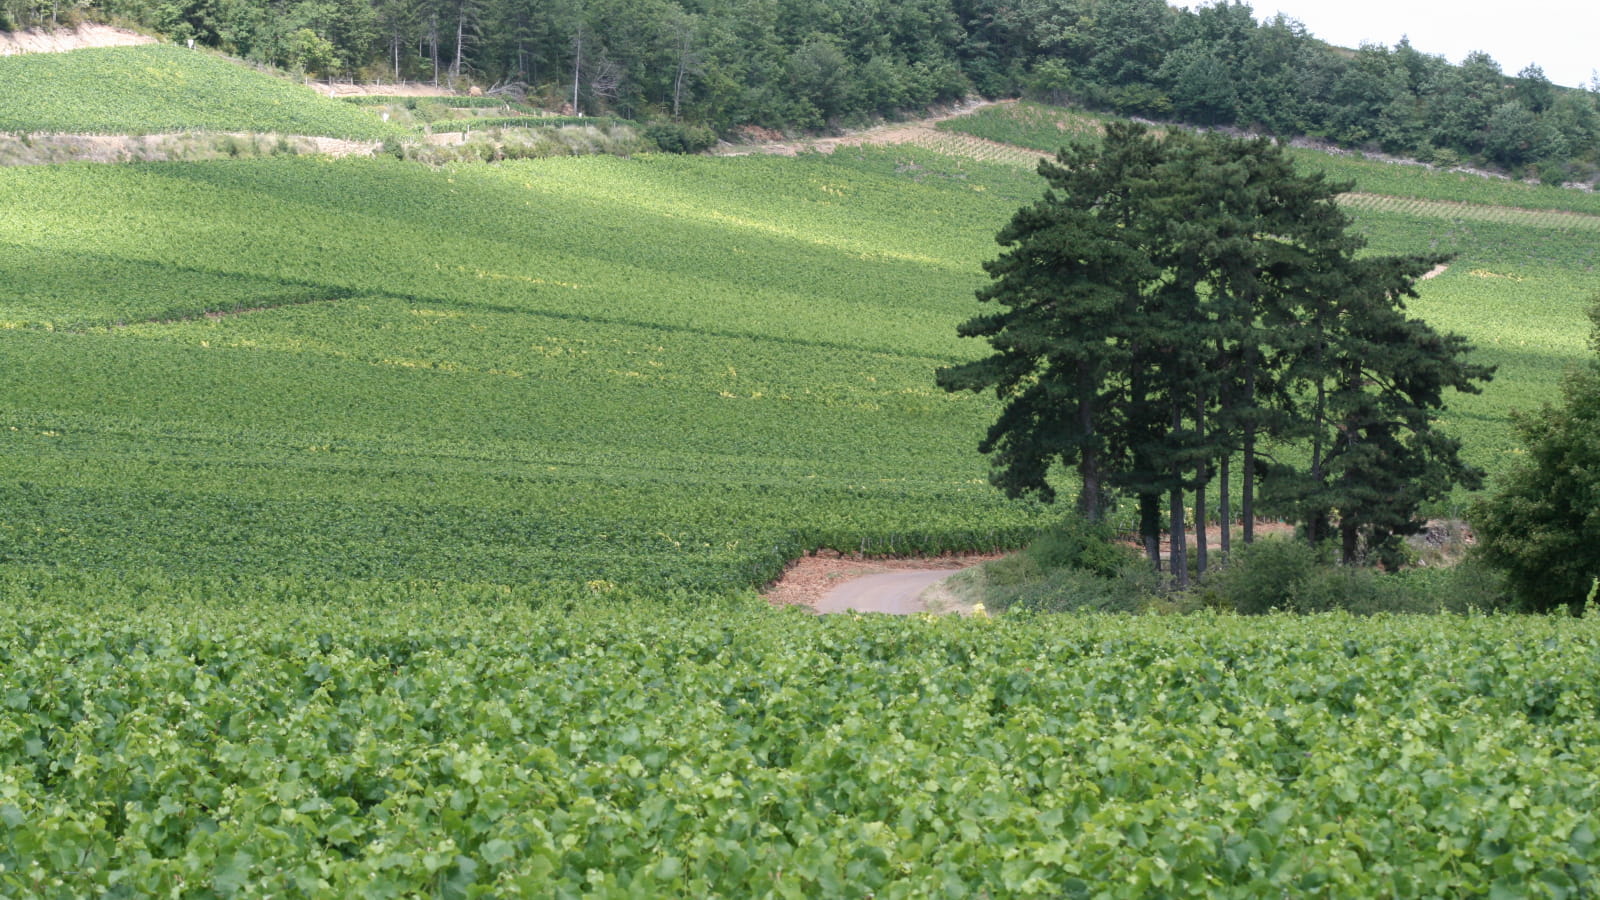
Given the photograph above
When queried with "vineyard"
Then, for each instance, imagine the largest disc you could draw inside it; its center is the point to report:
(161, 88)
(159, 744)
(601, 405)
(1033, 126)
(1557, 220)
(951, 143)
(377, 529)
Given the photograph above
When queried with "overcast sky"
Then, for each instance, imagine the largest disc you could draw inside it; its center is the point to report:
(1562, 36)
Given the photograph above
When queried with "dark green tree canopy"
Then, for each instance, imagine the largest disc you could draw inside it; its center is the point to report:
(814, 63)
(1176, 302)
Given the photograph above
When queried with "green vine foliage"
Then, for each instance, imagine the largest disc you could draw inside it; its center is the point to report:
(205, 737)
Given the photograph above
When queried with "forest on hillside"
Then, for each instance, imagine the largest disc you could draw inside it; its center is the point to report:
(809, 64)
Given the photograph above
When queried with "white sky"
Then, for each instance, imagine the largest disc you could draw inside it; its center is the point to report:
(1562, 36)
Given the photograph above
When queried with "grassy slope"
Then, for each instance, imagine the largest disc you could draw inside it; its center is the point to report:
(668, 370)
(159, 88)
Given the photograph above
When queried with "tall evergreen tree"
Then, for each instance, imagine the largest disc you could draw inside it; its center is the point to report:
(1171, 302)
(1071, 284)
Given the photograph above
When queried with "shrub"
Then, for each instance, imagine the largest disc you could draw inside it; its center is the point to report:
(1265, 575)
(1072, 566)
(1540, 527)
(1127, 590)
(1293, 576)
(1465, 587)
(1076, 543)
(676, 137)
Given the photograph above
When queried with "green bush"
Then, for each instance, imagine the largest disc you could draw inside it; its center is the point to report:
(1540, 526)
(1078, 544)
(1293, 576)
(676, 137)
(1072, 566)
(1264, 575)
(1462, 588)
(1127, 590)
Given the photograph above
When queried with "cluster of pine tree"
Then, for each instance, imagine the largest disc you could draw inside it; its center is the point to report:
(814, 63)
(1177, 304)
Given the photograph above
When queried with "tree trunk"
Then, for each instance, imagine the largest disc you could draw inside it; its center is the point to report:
(683, 69)
(1178, 543)
(1224, 463)
(1247, 478)
(433, 45)
(1350, 535)
(1150, 527)
(1179, 558)
(1089, 492)
(1203, 478)
(577, 68)
(1224, 506)
(1318, 516)
(1089, 489)
(461, 30)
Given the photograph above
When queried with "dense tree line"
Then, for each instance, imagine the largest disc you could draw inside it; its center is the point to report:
(1175, 305)
(814, 63)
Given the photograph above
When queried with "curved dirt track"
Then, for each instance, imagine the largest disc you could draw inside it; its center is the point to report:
(910, 132)
(823, 582)
(898, 593)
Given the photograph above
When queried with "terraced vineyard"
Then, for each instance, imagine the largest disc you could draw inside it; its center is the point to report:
(161, 88)
(972, 147)
(1556, 220)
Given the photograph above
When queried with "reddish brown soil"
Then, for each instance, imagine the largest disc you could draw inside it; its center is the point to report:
(809, 578)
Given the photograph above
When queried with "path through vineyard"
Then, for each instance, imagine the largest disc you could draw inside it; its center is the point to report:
(832, 582)
(919, 133)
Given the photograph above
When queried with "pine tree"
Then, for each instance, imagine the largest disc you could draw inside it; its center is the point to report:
(1173, 302)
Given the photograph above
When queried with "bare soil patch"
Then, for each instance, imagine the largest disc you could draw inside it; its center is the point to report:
(401, 89)
(64, 39)
(891, 133)
(1264, 529)
(811, 578)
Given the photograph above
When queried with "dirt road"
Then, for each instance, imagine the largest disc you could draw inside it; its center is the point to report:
(898, 593)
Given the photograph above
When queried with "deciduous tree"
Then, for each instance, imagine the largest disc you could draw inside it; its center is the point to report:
(1542, 525)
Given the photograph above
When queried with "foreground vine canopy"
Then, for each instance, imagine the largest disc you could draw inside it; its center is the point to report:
(339, 741)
